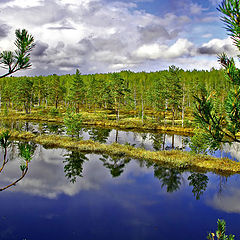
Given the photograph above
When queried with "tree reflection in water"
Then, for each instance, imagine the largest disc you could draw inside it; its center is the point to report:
(74, 165)
(26, 151)
(99, 135)
(115, 164)
(158, 141)
(172, 178)
(169, 177)
(199, 182)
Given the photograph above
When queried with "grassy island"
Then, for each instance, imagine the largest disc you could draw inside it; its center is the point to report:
(174, 158)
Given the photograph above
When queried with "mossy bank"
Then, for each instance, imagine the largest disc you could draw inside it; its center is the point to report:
(174, 158)
(105, 121)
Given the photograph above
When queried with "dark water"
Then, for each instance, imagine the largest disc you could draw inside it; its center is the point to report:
(71, 195)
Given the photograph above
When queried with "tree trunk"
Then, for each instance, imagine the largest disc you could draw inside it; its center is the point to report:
(77, 108)
(183, 109)
(173, 116)
(172, 141)
(56, 102)
(116, 138)
(164, 140)
(135, 102)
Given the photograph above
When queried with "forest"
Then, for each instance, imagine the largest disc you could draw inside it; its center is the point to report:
(165, 96)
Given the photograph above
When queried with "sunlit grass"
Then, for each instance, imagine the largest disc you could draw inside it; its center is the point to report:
(102, 119)
(174, 158)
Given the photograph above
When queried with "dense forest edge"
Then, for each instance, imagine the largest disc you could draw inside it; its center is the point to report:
(156, 100)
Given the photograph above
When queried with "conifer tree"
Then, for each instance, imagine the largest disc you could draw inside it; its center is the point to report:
(77, 90)
(19, 59)
(223, 126)
(174, 90)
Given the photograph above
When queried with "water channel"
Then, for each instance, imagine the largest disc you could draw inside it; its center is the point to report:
(71, 195)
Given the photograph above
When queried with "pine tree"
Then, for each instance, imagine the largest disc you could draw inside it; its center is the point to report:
(19, 59)
(77, 90)
(223, 126)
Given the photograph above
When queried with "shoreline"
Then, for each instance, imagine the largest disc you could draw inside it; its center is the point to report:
(174, 158)
(127, 124)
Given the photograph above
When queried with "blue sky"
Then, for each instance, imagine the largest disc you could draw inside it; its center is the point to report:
(113, 35)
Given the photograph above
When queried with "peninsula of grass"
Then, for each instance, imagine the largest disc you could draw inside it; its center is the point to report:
(174, 158)
(100, 119)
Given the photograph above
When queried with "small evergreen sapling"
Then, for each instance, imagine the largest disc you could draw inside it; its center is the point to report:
(220, 233)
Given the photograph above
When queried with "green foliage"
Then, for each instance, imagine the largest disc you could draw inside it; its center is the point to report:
(20, 58)
(220, 233)
(99, 135)
(26, 150)
(73, 123)
(53, 111)
(4, 139)
(115, 164)
(77, 90)
(170, 177)
(118, 91)
(24, 93)
(223, 126)
(201, 142)
(199, 182)
(231, 18)
(74, 165)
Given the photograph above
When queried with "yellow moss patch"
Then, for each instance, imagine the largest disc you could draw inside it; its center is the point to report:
(174, 158)
(97, 119)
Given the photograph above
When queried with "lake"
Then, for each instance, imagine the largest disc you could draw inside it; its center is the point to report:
(99, 197)
(72, 195)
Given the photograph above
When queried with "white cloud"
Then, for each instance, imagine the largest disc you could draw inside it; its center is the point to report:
(217, 46)
(23, 3)
(196, 8)
(229, 202)
(181, 48)
(98, 35)
(207, 35)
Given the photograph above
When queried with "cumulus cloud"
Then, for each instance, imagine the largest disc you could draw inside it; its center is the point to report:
(181, 48)
(228, 202)
(100, 35)
(4, 30)
(46, 176)
(40, 49)
(217, 46)
(152, 33)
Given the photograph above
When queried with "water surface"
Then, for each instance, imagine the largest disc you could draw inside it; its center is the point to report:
(71, 195)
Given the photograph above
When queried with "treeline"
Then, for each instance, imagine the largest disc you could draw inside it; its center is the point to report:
(158, 94)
